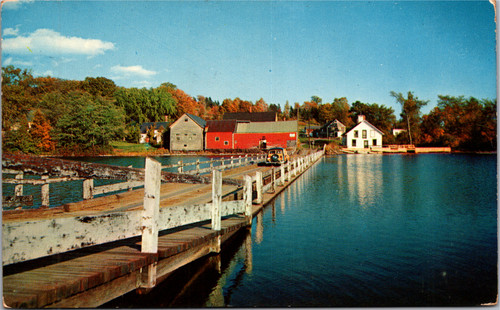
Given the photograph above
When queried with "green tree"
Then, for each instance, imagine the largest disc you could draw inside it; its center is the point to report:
(17, 100)
(379, 116)
(99, 86)
(89, 125)
(411, 114)
(19, 139)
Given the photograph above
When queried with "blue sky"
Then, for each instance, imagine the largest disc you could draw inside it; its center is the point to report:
(275, 50)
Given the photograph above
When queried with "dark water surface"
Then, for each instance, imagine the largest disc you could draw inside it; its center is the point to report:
(358, 230)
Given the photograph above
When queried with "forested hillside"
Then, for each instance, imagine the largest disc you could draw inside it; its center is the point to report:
(51, 115)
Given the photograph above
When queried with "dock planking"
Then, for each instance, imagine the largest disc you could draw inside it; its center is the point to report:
(91, 276)
(76, 274)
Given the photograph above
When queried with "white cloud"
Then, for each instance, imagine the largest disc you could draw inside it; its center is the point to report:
(141, 84)
(10, 61)
(10, 32)
(46, 73)
(14, 4)
(50, 42)
(132, 71)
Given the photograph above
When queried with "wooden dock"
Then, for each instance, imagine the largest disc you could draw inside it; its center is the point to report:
(87, 253)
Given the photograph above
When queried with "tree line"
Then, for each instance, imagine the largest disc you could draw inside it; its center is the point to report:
(52, 115)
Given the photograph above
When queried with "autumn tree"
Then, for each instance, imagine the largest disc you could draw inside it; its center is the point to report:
(184, 102)
(40, 132)
(467, 124)
(260, 106)
(411, 114)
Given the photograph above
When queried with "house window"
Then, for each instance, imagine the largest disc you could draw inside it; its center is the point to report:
(178, 139)
(186, 119)
(355, 133)
(374, 142)
(365, 144)
(353, 142)
(363, 134)
(185, 145)
(226, 142)
(217, 138)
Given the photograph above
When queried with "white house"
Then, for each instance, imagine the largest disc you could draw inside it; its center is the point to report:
(363, 135)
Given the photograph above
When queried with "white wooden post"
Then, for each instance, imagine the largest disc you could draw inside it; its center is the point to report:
(45, 192)
(258, 183)
(288, 172)
(180, 169)
(231, 163)
(211, 164)
(88, 188)
(247, 197)
(216, 199)
(282, 175)
(151, 210)
(273, 180)
(18, 189)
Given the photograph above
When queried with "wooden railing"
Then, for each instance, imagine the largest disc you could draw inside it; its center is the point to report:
(130, 177)
(219, 164)
(26, 240)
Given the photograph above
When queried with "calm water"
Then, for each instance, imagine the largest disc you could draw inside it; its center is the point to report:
(66, 192)
(358, 230)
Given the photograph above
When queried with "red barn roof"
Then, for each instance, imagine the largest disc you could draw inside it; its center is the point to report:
(221, 126)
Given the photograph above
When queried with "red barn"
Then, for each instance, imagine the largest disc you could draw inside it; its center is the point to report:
(233, 134)
(253, 134)
(220, 134)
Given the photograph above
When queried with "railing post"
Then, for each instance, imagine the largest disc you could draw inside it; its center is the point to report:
(88, 188)
(247, 197)
(151, 210)
(282, 175)
(197, 166)
(149, 222)
(45, 192)
(180, 169)
(211, 164)
(258, 185)
(231, 163)
(18, 189)
(273, 180)
(216, 199)
(240, 160)
(287, 175)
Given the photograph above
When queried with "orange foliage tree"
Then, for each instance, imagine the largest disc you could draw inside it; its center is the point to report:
(40, 132)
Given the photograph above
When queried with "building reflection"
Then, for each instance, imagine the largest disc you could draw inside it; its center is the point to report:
(364, 177)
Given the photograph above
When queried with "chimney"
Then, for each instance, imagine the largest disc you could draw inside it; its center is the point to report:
(361, 118)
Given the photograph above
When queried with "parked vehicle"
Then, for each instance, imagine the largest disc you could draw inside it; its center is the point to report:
(277, 156)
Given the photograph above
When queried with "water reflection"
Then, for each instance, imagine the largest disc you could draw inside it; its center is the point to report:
(230, 277)
(363, 177)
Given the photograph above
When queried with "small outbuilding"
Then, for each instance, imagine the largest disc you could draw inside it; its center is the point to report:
(187, 133)
(158, 129)
(363, 135)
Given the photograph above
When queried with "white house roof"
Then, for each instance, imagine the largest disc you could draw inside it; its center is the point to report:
(368, 124)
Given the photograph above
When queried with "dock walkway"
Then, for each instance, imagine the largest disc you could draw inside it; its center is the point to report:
(93, 275)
